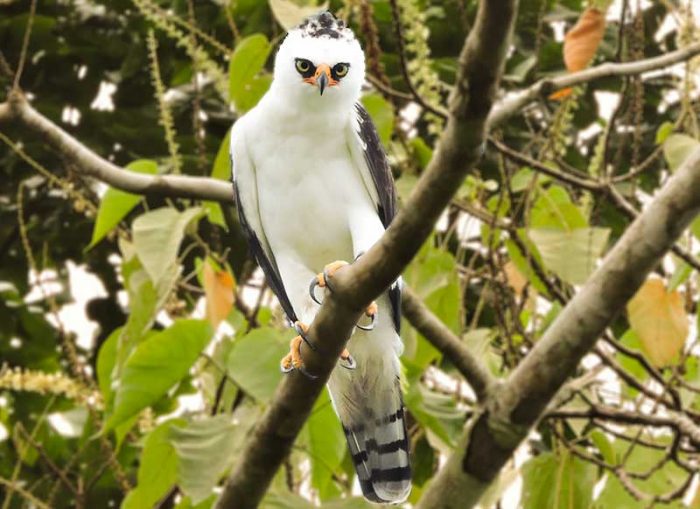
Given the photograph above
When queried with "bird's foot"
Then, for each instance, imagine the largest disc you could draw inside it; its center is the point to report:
(293, 359)
(323, 280)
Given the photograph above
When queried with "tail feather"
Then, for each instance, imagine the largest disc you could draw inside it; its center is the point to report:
(379, 452)
(369, 403)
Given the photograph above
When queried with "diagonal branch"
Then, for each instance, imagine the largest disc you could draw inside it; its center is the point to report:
(88, 162)
(516, 406)
(510, 106)
(481, 63)
(18, 109)
(442, 338)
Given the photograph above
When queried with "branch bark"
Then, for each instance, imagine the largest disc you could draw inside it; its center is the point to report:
(509, 106)
(481, 64)
(86, 160)
(18, 109)
(442, 338)
(509, 412)
(512, 409)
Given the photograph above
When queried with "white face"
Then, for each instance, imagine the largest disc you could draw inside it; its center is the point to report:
(320, 73)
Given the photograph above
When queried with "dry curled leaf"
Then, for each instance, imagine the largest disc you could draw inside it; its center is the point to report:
(581, 44)
(582, 41)
(218, 289)
(516, 280)
(658, 317)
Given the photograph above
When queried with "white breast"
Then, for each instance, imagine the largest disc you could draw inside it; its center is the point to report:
(307, 187)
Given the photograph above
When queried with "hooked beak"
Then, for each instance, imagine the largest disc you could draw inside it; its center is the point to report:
(322, 82)
(322, 78)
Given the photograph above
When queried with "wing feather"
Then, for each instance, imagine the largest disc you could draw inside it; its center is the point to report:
(366, 148)
(246, 190)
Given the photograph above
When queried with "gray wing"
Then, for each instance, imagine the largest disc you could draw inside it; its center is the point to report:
(371, 159)
(246, 191)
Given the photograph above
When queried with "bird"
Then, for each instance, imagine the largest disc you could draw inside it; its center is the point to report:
(313, 190)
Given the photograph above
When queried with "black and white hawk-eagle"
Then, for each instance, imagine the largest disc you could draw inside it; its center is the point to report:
(313, 185)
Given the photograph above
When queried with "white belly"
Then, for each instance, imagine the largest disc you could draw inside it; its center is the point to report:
(307, 191)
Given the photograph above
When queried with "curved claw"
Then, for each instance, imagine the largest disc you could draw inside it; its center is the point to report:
(371, 325)
(348, 363)
(312, 290)
(300, 330)
(286, 370)
(327, 279)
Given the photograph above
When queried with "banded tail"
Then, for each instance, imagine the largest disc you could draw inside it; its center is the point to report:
(369, 403)
(379, 451)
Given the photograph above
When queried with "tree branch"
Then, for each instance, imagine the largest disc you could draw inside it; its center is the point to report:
(18, 109)
(481, 63)
(442, 338)
(509, 106)
(681, 423)
(516, 405)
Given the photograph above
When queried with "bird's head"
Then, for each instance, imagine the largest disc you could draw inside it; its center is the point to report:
(320, 65)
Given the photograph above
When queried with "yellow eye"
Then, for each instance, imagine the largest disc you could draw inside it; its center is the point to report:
(303, 65)
(341, 70)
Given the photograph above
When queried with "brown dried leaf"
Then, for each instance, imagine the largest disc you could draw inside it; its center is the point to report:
(562, 94)
(515, 278)
(581, 42)
(659, 319)
(219, 286)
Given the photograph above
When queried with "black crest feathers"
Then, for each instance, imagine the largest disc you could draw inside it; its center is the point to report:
(324, 24)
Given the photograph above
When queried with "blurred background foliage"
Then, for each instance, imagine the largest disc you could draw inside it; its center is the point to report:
(141, 394)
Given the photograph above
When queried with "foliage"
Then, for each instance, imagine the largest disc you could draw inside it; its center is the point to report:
(154, 407)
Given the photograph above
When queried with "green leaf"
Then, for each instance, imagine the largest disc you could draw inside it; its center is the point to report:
(157, 237)
(254, 361)
(572, 255)
(554, 209)
(695, 227)
(106, 360)
(325, 442)
(557, 482)
(214, 213)
(422, 152)
(247, 61)
(116, 204)
(631, 365)
(478, 341)
(663, 132)
(145, 300)
(522, 264)
(157, 468)
(432, 276)
(289, 14)
(205, 449)
(638, 460)
(256, 90)
(604, 446)
(435, 412)
(156, 365)
(222, 164)
(677, 148)
(680, 275)
(382, 114)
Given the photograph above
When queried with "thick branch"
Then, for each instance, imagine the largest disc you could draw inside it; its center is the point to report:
(481, 64)
(515, 407)
(516, 102)
(19, 110)
(85, 160)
